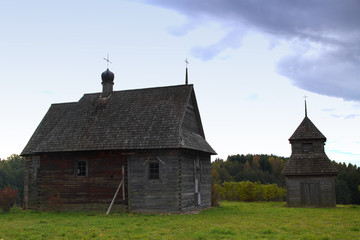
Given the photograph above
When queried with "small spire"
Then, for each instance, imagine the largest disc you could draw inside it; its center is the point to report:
(305, 106)
(186, 73)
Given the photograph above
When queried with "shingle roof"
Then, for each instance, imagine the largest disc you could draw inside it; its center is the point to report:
(309, 164)
(307, 130)
(133, 119)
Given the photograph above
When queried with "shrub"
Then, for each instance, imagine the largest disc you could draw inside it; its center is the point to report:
(230, 191)
(215, 194)
(252, 191)
(271, 192)
(7, 198)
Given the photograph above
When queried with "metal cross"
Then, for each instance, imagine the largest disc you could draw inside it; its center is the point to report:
(187, 62)
(107, 60)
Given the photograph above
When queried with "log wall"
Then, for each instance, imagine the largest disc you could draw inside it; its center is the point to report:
(31, 182)
(175, 190)
(54, 175)
(154, 195)
(311, 191)
(195, 167)
(58, 178)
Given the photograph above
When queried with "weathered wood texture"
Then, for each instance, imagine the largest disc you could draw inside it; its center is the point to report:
(154, 195)
(311, 191)
(83, 147)
(195, 168)
(57, 177)
(31, 182)
(205, 180)
(191, 121)
(309, 174)
(174, 191)
(297, 146)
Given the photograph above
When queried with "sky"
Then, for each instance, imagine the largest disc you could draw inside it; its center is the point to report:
(251, 63)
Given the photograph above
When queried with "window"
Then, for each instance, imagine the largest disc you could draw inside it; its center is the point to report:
(197, 162)
(154, 172)
(308, 147)
(82, 168)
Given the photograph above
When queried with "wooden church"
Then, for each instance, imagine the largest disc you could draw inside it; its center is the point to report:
(309, 173)
(146, 145)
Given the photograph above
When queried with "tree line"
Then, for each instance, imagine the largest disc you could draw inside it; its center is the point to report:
(262, 168)
(12, 175)
(266, 169)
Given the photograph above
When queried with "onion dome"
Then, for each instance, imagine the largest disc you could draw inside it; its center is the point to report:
(107, 76)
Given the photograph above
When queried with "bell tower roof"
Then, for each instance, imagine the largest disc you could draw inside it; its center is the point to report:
(307, 130)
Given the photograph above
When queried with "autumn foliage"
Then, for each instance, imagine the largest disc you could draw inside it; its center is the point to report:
(7, 198)
(247, 191)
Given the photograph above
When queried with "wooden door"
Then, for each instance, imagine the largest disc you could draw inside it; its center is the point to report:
(310, 194)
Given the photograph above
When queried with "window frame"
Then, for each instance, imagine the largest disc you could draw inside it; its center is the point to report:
(81, 168)
(154, 170)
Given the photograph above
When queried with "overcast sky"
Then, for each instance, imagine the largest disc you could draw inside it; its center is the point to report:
(251, 63)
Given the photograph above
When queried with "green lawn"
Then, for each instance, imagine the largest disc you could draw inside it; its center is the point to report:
(233, 220)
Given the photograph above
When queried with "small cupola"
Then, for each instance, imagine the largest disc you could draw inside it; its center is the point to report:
(107, 78)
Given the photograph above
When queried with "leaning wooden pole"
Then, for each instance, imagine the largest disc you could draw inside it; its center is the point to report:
(117, 191)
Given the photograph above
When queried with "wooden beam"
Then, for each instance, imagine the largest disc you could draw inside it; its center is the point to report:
(113, 200)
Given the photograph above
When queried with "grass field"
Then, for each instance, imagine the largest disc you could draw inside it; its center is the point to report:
(232, 220)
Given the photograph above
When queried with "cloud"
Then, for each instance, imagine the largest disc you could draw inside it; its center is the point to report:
(343, 152)
(324, 35)
(351, 116)
(336, 116)
(231, 40)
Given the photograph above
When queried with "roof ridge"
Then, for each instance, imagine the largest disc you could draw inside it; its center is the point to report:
(145, 88)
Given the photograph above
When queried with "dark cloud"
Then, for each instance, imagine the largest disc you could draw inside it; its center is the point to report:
(328, 32)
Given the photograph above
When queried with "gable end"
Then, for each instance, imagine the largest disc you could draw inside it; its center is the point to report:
(192, 121)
